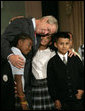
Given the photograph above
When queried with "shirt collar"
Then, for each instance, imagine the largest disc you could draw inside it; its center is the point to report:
(34, 24)
(61, 55)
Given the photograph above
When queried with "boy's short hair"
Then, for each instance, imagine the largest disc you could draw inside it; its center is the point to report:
(61, 35)
(21, 36)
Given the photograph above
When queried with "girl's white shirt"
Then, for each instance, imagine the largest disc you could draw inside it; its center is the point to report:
(39, 63)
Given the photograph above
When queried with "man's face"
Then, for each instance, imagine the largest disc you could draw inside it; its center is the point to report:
(43, 28)
(63, 45)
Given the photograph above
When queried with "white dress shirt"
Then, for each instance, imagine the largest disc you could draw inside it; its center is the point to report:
(39, 63)
(34, 24)
(15, 70)
(61, 56)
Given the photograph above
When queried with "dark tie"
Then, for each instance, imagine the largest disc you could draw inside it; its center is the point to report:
(64, 60)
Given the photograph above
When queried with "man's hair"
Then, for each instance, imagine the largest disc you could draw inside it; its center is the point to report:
(51, 20)
(21, 36)
(61, 35)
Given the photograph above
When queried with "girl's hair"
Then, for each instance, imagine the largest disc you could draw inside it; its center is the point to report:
(21, 36)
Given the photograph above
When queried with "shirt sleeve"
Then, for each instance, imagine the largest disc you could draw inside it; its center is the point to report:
(16, 70)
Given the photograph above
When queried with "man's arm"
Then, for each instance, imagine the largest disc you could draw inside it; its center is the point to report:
(16, 61)
(7, 39)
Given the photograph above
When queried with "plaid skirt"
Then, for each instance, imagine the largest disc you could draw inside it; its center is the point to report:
(41, 99)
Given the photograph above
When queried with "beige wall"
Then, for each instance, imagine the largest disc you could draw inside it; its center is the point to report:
(11, 9)
(33, 9)
(19, 8)
(71, 18)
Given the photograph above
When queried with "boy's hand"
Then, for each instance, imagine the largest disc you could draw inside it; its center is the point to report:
(24, 103)
(58, 104)
(79, 94)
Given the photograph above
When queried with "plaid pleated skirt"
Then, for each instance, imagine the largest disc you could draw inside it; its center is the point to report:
(41, 99)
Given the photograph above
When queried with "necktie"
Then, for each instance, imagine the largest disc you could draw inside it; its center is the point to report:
(64, 60)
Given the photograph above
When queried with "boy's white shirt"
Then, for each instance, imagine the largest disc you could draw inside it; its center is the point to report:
(39, 63)
(61, 56)
(16, 71)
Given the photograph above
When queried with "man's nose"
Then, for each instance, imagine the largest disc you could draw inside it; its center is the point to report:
(64, 45)
(46, 32)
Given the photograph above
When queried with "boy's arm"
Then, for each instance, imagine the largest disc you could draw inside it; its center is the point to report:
(81, 79)
(20, 93)
(7, 39)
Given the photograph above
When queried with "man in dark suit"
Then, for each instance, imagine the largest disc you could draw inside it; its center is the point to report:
(65, 76)
(42, 26)
(7, 87)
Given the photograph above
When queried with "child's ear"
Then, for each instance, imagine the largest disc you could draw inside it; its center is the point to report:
(55, 44)
(20, 42)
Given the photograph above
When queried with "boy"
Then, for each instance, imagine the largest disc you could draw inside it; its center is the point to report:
(41, 99)
(22, 47)
(65, 77)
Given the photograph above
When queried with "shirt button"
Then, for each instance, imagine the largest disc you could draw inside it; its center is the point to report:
(70, 96)
(69, 84)
(67, 72)
(69, 77)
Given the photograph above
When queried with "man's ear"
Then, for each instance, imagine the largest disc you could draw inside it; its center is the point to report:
(55, 44)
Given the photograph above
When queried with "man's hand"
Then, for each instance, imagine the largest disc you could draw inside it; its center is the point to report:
(71, 53)
(16, 61)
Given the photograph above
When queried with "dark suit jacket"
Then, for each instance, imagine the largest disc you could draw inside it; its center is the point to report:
(7, 87)
(64, 80)
(22, 25)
